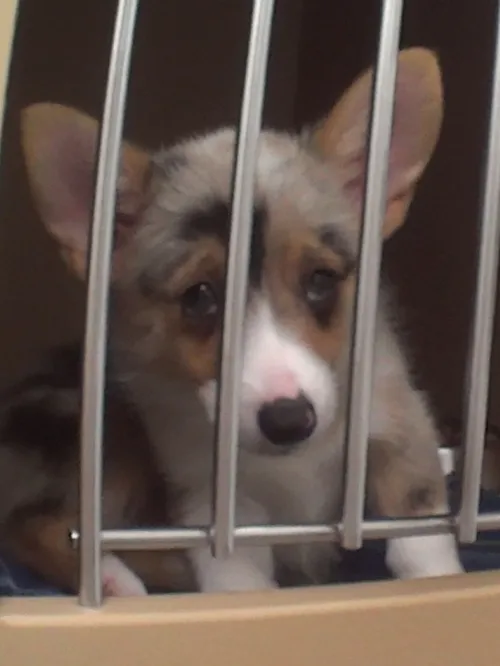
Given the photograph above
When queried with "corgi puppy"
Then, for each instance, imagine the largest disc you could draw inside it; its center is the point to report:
(39, 480)
(170, 252)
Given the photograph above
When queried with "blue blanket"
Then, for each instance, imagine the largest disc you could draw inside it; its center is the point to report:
(364, 565)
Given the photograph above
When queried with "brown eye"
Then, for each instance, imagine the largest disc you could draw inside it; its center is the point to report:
(321, 286)
(320, 291)
(199, 304)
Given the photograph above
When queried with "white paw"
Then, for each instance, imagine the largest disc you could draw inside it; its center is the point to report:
(235, 582)
(423, 556)
(118, 580)
(234, 576)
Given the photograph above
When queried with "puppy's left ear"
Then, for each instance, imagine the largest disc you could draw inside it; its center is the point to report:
(418, 112)
(59, 145)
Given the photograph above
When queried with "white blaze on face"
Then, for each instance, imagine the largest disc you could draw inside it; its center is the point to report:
(277, 365)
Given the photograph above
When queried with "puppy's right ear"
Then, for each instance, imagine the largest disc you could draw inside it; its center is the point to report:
(342, 137)
(59, 145)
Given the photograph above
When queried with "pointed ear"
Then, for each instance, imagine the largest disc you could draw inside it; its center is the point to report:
(418, 112)
(60, 146)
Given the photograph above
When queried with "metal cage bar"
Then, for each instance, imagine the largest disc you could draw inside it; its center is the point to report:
(362, 352)
(237, 276)
(97, 304)
(174, 538)
(168, 539)
(478, 376)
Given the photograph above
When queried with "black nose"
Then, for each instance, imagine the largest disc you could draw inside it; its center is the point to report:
(286, 421)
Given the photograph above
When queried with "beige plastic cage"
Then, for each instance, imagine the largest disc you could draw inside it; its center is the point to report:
(449, 621)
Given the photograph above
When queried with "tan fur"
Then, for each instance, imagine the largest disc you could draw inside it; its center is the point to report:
(159, 312)
(282, 269)
(42, 543)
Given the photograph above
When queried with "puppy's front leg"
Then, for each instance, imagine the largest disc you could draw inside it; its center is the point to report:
(120, 581)
(405, 480)
(245, 570)
(249, 568)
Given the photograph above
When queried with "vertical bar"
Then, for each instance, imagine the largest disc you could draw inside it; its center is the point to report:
(365, 308)
(97, 304)
(237, 275)
(478, 376)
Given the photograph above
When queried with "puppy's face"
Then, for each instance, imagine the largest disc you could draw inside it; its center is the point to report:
(301, 269)
(173, 213)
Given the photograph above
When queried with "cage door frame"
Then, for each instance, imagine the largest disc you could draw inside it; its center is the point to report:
(447, 621)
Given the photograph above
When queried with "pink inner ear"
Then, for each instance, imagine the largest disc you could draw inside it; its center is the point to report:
(405, 143)
(68, 183)
(354, 185)
(406, 133)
